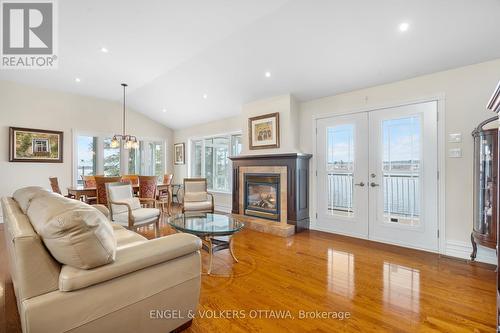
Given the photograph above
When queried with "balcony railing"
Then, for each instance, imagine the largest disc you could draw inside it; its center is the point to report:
(401, 193)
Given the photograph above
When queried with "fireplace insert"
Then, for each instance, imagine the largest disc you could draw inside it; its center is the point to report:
(262, 196)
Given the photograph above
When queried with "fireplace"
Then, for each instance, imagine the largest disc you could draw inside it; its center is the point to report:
(258, 178)
(262, 196)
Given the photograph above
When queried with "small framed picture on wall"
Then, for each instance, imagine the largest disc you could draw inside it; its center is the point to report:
(179, 156)
(264, 131)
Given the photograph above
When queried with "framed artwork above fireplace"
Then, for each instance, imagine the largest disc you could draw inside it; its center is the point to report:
(264, 131)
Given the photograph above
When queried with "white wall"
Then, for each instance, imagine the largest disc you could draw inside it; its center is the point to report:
(288, 109)
(33, 107)
(466, 91)
(229, 125)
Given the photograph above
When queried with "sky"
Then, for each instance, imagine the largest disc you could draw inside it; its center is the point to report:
(400, 138)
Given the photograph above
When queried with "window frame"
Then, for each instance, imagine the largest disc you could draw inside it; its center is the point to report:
(99, 152)
(190, 155)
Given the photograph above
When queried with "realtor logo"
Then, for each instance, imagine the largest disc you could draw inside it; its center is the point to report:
(28, 34)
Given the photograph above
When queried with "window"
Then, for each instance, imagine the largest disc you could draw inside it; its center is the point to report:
(87, 162)
(40, 145)
(155, 159)
(95, 156)
(134, 159)
(196, 165)
(111, 159)
(210, 159)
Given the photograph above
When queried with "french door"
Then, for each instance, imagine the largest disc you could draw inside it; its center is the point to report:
(377, 175)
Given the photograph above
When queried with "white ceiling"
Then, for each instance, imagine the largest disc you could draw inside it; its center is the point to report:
(173, 52)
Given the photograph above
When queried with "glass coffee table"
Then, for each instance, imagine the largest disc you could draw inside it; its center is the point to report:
(209, 226)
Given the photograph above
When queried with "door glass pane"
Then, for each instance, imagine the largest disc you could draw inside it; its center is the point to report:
(401, 170)
(111, 159)
(86, 157)
(340, 169)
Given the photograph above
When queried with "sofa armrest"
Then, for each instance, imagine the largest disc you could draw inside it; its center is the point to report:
(103, 209)
(130, 259)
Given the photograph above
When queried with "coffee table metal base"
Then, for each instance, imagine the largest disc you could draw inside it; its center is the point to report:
(212, 245)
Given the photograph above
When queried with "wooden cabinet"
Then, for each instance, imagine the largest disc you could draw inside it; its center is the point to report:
(494, 105)
(485, 187)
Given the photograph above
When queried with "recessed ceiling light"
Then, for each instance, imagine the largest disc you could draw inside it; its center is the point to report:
(164, 110)
(77, 79)
(104, 50)
(404, 26)
(268, 74)
(205, 96)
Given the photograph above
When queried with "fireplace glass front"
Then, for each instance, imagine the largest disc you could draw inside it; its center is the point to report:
(262, 196)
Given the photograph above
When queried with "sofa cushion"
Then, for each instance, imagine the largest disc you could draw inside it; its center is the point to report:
(75, 233)
(24, 195)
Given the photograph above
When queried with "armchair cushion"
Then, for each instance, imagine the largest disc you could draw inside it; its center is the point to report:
(195, 196)
(198, 205)
(130, 259)
(141, 215)
(133, 202)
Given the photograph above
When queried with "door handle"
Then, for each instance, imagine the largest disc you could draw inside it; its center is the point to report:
(360, 184)
(372, 184)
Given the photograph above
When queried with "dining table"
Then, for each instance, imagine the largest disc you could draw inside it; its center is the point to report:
(80, 191)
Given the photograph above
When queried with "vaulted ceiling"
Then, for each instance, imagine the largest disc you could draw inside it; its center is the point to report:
(193, 61)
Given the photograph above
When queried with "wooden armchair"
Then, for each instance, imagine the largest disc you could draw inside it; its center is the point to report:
(126, 209)
(196, 197)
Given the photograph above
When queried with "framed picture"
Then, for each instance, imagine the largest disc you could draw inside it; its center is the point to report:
(264, 131)
(35, 145)
(179, 153)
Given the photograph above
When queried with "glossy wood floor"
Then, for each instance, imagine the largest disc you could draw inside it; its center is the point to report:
(383, 288)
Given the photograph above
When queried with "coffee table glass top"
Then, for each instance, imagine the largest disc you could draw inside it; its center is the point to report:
(206, 224)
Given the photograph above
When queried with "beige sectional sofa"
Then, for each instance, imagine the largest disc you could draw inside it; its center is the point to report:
(129, 284)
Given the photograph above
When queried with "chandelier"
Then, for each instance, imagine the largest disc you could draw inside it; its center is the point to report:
(129, 141)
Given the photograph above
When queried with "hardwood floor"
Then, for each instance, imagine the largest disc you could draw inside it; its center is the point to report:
(384, 288)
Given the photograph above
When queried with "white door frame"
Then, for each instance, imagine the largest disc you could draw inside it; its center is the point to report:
(441, 138)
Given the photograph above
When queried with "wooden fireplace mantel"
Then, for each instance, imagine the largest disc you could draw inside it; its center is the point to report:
(297, 165)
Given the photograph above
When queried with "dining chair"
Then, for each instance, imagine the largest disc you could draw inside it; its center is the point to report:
(100, 182)
(126, 209)
(196, 197)
(88, 181)
(147, 190)
(132, 179)
(54, 184)
(165, 195)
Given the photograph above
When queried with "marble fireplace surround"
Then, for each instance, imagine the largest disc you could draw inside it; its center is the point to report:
(282, 171)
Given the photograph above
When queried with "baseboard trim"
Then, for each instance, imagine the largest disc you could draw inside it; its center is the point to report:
(464, 249)
(453, 248)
